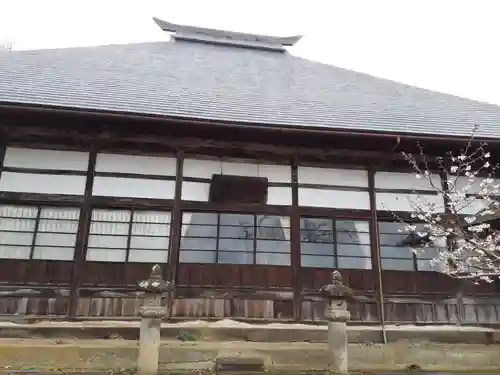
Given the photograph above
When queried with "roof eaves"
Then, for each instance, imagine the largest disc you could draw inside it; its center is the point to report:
(228, 123)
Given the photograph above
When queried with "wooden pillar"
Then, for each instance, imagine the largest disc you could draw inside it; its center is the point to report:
(82, 235)
(175, 224)
(3, 149)
(126, 269)
(295, 244)
(375, 249)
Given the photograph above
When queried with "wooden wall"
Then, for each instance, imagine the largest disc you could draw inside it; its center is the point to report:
(88, 288)
(15, 271)
(262, 293)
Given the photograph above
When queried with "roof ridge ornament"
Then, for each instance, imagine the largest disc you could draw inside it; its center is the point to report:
(231, 38)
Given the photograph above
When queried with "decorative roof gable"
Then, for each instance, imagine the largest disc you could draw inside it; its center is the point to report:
(227, 38)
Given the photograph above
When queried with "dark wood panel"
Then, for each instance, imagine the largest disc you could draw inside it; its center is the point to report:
(197, 275)
(358, 280)
(480, 310)
(234, 275)
(232, 308)
(13, 270)
(366, 312)
(283, 309)
(51, 271)
(136, 272)
(419, 312)
(108, 307)
(394, 282)
(442, 310)
(109, 274)
(266, 276)
(35, 271)
(190, 308)
(404, 282)
(434, 282)
(34, 306)
(59, 272)
(479, 287)
(397, 310)
(102, 273)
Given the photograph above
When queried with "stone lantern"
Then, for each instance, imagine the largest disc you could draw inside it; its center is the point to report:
(337, 294)
(152, 312)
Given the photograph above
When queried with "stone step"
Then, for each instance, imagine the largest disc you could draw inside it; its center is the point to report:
(240, 364)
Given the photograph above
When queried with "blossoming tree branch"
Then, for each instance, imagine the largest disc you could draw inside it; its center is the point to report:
(459, 228)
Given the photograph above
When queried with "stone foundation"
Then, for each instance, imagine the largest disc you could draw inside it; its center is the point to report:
(293, 347)
(203, 355)
(227, 330)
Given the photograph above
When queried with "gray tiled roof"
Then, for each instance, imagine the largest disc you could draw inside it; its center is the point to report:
(203, 81)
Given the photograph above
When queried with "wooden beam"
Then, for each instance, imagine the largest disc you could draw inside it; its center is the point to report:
(193, 145)
(375, 249)
(295, 244)
(82, 236)
(3, 149)
(17, 110)
(176, 223)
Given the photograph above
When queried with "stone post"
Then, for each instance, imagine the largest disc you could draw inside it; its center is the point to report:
(337, 315)
(152, 311)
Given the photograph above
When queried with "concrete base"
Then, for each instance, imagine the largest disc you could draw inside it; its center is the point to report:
(185, 357)
(149, 346)
(337, 347)
(227, 330)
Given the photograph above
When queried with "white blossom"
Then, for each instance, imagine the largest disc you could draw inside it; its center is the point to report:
(471, 247)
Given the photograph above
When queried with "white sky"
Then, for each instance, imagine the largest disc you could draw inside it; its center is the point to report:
(451, 46)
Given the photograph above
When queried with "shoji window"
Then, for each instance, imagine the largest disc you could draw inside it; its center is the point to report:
(333, 188)
(328, 243)
(197, 176)
(235, 239)
(44, 233)
(44, 171)
(129, 236)
(133, 176)
(396, 249)
(397, 191)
